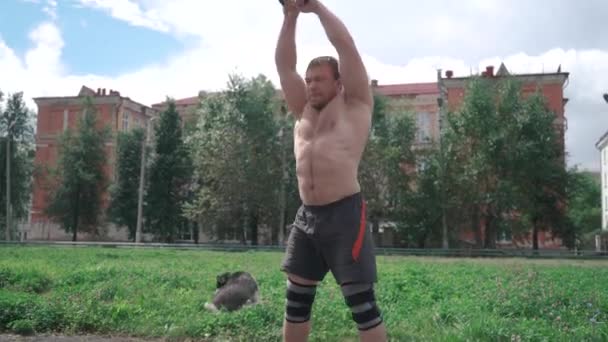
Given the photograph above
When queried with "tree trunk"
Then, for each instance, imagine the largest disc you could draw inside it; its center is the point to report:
(375, 232)
(245, 224)
(475, 223)
(421, 241)
(76, 214)
(444, 228)
(490, 236)
(195, 232)
(535, 235)
(253, 227)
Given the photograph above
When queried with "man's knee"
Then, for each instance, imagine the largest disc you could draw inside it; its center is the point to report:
(361, 300)
(300, 295)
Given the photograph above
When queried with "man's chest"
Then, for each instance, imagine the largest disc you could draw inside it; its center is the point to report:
(312, 127)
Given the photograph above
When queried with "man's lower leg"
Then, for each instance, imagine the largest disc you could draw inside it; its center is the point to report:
(361, 300)
(375, 334)
(300, 296)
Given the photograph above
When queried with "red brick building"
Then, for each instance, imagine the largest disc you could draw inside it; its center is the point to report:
(186, 107)
(551, 85)
(423, 100)
(55, 115)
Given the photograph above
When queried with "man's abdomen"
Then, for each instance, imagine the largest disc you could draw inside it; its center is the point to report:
(326, 172)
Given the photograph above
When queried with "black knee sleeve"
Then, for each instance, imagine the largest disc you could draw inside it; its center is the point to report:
(299, 301)
(362, 303)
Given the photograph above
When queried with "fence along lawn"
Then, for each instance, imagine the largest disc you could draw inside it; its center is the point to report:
(161, 292)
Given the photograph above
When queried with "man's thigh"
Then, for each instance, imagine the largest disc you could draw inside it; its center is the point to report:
(350, 252)
(303, 257)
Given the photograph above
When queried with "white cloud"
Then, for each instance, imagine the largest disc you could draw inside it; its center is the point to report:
(51, 9)
(45, 58)
(129, 11)
(241, 35)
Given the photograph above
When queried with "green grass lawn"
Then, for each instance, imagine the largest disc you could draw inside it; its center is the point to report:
(154, 292)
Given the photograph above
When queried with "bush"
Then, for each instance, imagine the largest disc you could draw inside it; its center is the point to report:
(26, 280)
(23, 327)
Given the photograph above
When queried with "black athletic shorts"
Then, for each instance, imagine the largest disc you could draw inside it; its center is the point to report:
(331, 237)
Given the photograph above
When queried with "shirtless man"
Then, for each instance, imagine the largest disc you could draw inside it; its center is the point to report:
(333, 109)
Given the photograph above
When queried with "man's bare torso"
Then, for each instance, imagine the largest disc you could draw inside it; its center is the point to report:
(328, 146)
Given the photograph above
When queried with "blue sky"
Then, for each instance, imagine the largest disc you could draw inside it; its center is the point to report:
(150, 49)
(95, 42)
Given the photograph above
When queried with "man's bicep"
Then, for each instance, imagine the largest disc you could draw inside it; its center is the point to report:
(294, 91)
(353, 73)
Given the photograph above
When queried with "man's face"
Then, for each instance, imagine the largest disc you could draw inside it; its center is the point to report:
(321, 86)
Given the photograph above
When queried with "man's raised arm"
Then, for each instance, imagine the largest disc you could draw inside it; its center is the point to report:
(352, 71)
(292, 84)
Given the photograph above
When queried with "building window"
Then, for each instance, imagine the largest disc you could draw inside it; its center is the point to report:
(125, 121)
(423, 127)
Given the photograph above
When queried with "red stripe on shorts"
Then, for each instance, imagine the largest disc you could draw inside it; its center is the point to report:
(359, 243)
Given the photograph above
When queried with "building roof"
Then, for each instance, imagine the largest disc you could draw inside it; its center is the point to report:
(188, 101)
(428, 88)
(99, 95)
(504, 72)
(408, 89)
(385, 89)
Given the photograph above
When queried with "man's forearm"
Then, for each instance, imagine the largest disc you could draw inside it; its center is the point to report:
(336, 31)
(285, 54)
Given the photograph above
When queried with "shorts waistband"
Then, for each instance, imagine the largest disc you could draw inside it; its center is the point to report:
(323, 207)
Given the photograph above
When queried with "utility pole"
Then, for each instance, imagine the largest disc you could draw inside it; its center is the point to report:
(441, 102)
(8, 187)
(142, 172)
(284, 175)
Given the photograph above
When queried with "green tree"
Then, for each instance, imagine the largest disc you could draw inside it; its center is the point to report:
(584, 208)
(17, 127)
(257, 102)
(372, 170)
(238, 161)
(214, 150)
(539, 171)
(435, 209)
(169, 180)
(124, 192)
(79, 179)
(508, 171)
(384, 165)
(289, 195)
